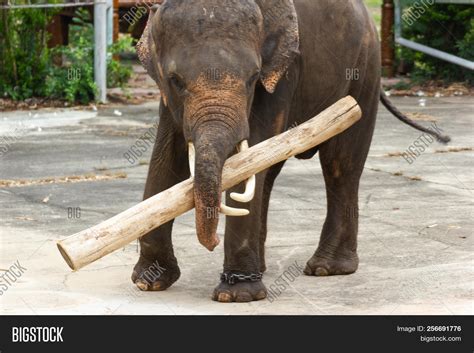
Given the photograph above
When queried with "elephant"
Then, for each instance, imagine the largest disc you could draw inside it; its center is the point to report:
(233, 73)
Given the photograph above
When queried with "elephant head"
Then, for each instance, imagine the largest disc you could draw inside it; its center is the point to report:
(207, 56)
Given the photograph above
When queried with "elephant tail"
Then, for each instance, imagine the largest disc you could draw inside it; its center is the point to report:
(403, 118)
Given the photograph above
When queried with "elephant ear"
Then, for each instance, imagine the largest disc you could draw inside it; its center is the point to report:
(146, 46)
(281, 44)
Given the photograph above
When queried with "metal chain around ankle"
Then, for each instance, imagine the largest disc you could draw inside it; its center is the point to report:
(232, 278)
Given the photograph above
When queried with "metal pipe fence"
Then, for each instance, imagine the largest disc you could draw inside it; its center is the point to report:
(423, 48)
(45, 5)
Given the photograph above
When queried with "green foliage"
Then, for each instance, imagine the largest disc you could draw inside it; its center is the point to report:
(74, 79)
(118, 74)
(24, 62)
(27, 66)
(446, 27)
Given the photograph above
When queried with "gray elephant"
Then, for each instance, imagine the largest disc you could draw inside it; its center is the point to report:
(233, 73)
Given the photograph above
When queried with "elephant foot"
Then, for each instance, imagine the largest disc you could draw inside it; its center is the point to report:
(241, 292)
(153, 275)
(329, 264)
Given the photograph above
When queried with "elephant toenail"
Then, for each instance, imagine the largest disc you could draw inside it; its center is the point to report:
(142, 285)
(321, 271)
(224, 297)
(243, 297)
(261, 295)
(157, 286)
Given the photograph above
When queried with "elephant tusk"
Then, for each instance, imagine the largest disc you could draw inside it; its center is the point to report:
(224, 209)
(191, 158)
(249, 192)
(234, 212)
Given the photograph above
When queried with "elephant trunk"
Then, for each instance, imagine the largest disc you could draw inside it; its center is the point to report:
(213, 143)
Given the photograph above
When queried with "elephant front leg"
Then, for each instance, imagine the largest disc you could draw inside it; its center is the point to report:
(342, 161)
(337, 250)
(157, 267)
(241, 280)
(342, 166)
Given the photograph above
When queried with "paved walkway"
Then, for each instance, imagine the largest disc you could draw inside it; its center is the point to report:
(416, 244)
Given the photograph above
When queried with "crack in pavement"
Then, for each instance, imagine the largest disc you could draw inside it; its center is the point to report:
(411, 178)
(5, 183)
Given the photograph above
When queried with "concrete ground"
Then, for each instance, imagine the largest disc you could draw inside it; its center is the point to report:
(415, 238)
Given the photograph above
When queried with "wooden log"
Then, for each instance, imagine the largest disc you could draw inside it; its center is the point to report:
(94, 243)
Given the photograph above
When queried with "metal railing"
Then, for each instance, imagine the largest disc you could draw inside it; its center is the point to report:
(29, 5)
(423, 48)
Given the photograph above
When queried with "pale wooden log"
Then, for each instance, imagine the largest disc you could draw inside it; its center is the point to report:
(94, 243)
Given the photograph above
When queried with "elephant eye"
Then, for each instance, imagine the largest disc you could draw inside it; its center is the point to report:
(253, 79)
(178, 83)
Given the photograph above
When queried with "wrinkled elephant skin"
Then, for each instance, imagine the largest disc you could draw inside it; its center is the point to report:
(231, 71)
